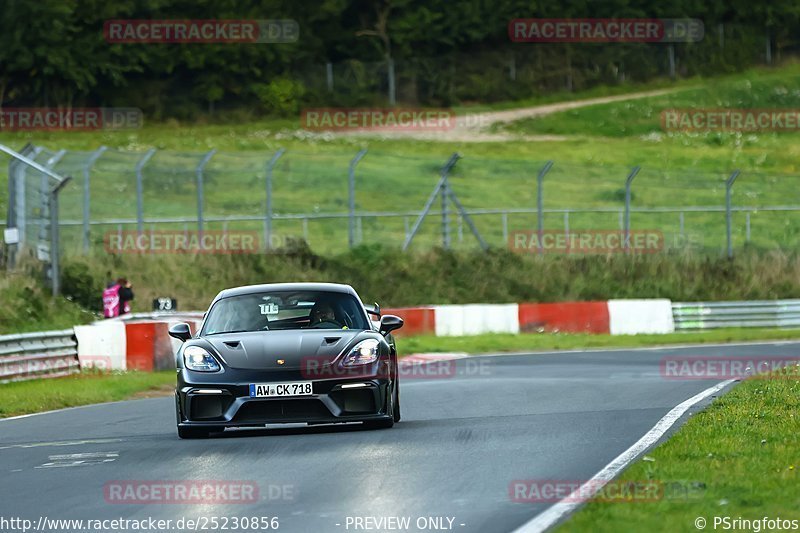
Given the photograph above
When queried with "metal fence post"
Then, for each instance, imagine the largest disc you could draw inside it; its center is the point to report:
(628, 182)
(671, 58)
(55, 241)
(439, 189)
(200, 195)
(445, 196)
(21, 188)
(445, 217)
(728, 217)
(44, 193)
(540, 202)
(391, 83)
(747, 227)
(140, 190)
(268, 218)
(87, 194)
(351, 196)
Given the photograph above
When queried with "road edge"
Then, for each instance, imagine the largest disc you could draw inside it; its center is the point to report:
(558, 511)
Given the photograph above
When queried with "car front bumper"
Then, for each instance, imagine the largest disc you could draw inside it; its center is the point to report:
(223, 400)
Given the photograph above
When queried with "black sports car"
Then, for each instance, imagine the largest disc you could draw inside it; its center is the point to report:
(286, 353)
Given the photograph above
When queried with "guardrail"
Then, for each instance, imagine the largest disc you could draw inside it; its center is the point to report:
(755, 314)
(38, 355)
(176, 315)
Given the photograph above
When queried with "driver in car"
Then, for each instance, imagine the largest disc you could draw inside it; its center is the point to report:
(323, 313)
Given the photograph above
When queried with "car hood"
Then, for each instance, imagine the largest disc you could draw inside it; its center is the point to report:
(261, 350)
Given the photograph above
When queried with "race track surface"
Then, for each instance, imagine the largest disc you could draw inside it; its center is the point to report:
(463, 439)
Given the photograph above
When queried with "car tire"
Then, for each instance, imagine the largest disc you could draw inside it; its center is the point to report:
(380, 424)
(386, 423)
(396, 412)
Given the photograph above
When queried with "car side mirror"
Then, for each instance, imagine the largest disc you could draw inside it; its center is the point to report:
(390, 323)
(180, 331)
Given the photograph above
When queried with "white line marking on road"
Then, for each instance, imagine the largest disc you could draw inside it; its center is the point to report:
(80, 459)
(67, 443)
(559, 510)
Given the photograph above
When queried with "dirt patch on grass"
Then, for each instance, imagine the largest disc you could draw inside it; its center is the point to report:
(158, 392)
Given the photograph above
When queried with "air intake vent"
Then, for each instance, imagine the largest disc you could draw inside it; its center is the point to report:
(232, 344)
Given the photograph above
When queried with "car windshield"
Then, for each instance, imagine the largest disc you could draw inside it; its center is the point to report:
(265, 311)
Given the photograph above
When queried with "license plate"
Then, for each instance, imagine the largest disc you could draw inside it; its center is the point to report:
(274, 390)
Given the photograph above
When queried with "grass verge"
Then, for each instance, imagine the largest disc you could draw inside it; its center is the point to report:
(24, 397)
(741, 452)
(502, 342)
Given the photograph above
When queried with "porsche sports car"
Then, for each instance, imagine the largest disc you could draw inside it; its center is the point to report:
(287, 353)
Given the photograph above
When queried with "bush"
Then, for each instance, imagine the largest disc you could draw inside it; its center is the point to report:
(440, 276)
(280, 97)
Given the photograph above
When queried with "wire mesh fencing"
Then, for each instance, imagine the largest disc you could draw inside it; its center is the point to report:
(337, 198)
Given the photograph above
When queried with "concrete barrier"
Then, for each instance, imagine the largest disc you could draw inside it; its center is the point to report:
(474, 319)
(102, 345)
(566, 317)
(633, 317)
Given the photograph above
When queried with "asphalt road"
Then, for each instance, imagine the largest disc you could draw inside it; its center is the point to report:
(464, 438)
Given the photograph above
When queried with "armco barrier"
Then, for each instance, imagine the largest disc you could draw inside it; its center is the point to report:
(37, 355)
(712, 315)
(566, 317)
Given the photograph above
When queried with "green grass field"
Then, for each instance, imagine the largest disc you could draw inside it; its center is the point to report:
(24, 397)
(738, 457)
(602, 144)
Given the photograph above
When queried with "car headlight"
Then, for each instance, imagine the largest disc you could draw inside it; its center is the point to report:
(198, 359)
(363, 353)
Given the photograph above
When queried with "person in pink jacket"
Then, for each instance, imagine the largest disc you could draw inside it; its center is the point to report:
(117, 298)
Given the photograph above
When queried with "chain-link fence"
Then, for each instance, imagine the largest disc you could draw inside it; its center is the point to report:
(33, 220)
(333, 199)
(509, 71)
